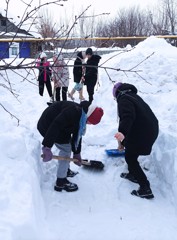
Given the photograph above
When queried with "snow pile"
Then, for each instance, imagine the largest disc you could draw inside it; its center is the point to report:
(103, 206)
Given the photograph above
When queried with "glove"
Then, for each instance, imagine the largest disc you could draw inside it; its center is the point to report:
(78, 157)
(47, 154)
(119, 136)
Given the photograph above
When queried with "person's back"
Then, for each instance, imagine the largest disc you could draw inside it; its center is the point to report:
(144, 129)
(91, 73)
(78, 68)
(137, 131)
(60, 76)
(78, 75)
(93, 61)
(49, 117)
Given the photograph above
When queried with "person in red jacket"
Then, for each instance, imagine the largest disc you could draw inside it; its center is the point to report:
(137, 131)
(63, 124)
(44, 77)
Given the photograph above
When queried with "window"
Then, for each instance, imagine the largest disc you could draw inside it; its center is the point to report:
(14, 51)
(3, 22)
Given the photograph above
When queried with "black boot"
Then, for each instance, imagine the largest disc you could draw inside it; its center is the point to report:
(129, 177)
(71, 173)
(143, 192)
(64, 184)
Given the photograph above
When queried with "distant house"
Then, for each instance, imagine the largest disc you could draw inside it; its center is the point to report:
(11, 43)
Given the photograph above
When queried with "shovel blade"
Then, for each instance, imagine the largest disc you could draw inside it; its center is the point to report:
(93, 164)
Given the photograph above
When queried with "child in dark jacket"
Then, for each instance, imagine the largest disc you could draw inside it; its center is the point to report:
(137, 131)
(44, 77)
(78, 74)
(91, 73)
(63, 124)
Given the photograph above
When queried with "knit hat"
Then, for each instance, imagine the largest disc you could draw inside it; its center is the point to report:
(43, 55)
(81, 55)
(94, 114)
(89, 51)
(115, 88)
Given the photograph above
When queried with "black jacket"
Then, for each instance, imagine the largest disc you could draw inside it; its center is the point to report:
(59, 123)
(137, 121)
(77, 70)
(42, 71)
(92, 72)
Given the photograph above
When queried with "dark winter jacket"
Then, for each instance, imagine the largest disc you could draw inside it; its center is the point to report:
(44, 71)
(92, 72)
(59, 123)
(78, 70)
(137, 121)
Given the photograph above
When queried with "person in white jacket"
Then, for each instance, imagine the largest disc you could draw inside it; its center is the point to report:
(60, 76)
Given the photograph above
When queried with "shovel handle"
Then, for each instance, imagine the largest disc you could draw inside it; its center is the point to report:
(83, 161)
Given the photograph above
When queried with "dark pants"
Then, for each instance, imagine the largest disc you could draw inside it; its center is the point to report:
(63, 91)
(90, 89)
(135, 169)
(48, 86)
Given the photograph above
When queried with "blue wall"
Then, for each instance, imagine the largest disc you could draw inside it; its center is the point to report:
(24, 50)
(4, 50)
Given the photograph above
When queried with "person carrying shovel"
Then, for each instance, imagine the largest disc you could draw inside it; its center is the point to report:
(64, 124)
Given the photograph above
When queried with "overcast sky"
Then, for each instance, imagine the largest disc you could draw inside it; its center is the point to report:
(17, 7)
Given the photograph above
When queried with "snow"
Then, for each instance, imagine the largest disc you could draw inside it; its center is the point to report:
(103, 207)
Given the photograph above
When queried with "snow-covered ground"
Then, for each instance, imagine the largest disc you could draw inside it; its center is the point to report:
(103, 207)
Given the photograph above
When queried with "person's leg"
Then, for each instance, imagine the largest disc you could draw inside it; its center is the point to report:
(65, 151)
(135, 169)
(70, 95)
(41, 87)
(90, 89)
(81, 97)
(49, 88)
(64, 93)
(57, 94)
(62, 183)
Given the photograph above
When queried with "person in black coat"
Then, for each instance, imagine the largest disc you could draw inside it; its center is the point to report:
(64, 124)
(91, 73)
(78, 74)
(138, 129)
(44, 77)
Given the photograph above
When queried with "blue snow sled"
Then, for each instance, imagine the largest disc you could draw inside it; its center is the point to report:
(114, 152)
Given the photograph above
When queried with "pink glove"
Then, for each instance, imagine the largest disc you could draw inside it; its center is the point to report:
(119, 136)
(47, 154)
(78, 157)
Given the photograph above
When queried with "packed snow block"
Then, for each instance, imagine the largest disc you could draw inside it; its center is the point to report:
(114, 152)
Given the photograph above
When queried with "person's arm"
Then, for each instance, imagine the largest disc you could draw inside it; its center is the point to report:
(127, 115)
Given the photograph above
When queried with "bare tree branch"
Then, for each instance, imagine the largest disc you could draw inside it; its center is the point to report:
(13, 116)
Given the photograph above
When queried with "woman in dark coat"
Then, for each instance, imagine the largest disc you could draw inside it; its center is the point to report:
(91, 73)
(63, 124)
(138, 129)
(78, 74)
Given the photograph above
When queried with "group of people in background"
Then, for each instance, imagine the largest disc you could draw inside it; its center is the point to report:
(84, 73)
(63, 123)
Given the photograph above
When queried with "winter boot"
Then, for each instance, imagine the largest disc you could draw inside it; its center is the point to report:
(70, 173)
(143, 192)
(129, 177)
(64, 184)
